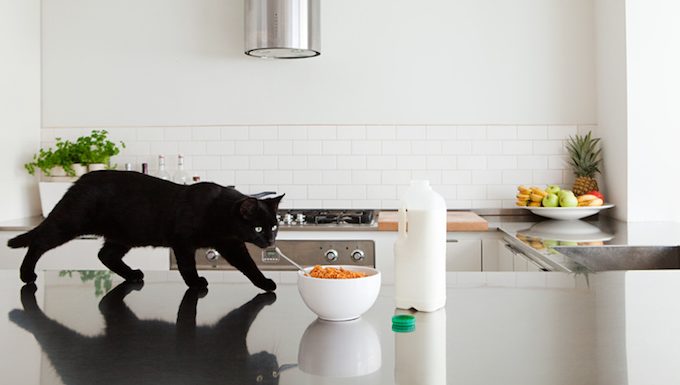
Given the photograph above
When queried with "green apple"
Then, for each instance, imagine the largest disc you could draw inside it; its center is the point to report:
(551, 200)
(553, 189)
(568, 199)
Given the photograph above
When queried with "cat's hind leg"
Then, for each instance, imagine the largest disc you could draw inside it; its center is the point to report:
(47, 236)
(186, 263)
(111, 255)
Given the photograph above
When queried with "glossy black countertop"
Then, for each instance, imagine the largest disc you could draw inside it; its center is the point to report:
(514, 328)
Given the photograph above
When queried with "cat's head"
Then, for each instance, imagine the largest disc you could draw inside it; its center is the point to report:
(259, 218)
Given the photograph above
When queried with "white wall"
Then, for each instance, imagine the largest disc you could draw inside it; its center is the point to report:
(610, 29)
(180, 62)
(19, 105)
(653, 68)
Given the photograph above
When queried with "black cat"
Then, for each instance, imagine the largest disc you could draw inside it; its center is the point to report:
(130, 209)
(134, 351)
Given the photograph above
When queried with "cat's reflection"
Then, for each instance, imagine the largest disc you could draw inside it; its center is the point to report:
(135, 351)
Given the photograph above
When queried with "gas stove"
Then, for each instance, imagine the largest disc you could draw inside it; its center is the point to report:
(316, 246)
(327, 217)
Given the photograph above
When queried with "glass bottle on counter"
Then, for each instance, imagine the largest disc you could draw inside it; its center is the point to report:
(180, 176)
(162, 172)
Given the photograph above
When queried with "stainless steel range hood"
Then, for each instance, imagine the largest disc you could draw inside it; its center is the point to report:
(282, 29)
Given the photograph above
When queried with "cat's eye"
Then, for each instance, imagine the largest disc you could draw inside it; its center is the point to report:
(275, 227)
(258, 229)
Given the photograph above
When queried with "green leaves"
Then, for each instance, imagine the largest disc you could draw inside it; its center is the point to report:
(95, 148)
(585, 155)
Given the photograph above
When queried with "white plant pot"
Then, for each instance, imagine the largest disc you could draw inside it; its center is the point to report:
(96, 167)
(57, 171)
(80, 169)
(50, 194)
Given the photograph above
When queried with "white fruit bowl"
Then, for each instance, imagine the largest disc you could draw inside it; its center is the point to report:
(340, 299)
(568, 213)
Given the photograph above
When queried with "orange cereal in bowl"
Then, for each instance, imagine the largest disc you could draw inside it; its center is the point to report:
(333, 273)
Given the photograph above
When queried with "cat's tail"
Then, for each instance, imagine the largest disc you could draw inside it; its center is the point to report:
(22, 240)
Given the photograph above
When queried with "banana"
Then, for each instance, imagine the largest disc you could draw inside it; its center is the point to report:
(534, 204)
(524, 190)
(586, 198)
(523, 197)
(540, 192)
(596, 202)
(521, 203)
(536, 198)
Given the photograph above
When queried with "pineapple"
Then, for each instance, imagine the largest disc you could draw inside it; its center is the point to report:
(584, 158)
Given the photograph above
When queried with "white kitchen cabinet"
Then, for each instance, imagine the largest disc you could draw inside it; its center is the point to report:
(81, 254)
(464, 255)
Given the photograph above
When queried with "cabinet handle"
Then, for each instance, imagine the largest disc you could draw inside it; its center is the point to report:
(451, 241)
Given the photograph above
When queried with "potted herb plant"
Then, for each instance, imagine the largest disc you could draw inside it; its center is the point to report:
(96, 150)
(61, 166)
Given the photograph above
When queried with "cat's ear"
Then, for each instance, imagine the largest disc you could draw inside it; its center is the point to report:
(248, 208)
(274, 202)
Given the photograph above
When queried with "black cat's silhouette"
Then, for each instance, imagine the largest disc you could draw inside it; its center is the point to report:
(134, 351)
(130, 209)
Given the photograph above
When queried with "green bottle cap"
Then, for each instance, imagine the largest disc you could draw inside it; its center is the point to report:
(403, 323)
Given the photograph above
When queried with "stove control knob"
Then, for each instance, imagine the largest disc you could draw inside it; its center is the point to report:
(358, 255)
(212, 255)
(331, 255)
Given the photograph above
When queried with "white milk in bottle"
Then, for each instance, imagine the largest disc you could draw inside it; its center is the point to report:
(420, 250)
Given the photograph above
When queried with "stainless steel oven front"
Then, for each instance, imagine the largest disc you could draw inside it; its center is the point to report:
(305, 252)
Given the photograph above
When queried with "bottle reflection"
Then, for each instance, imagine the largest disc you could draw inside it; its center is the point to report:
(340, 349)
(136, 351)
(420, 355)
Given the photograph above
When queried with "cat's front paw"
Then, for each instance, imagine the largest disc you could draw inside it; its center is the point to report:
(135, 276)
(199, 283)
(266, 285)
(27, 276)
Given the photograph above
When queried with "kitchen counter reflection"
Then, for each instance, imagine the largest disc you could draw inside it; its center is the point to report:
(504, 327)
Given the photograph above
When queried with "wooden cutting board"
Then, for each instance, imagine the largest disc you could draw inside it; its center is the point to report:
(455, 221)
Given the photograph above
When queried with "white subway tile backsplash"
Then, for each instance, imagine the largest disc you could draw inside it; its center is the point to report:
(205, 133)
(462, 147)
(411, 132)
(210, 148)
(561, 132)
(352, 162)
(395, 147)
(149, 133)
(442, 133)
(175, 133)
(322, 132)
(532, 132)
(532, 162)
(396, 177)
(501, 132)
(351, 132)
(337, 177)
(426, 147)
(322, 192)
(501, 162)
(234, 133)
(263, 132)
(357, 166)
(336, 147)
(412, 162)
(265, 162)
(292, 132)
(381, 162)
(518, 147)
(472, 132)
(322, 162)
(366, 147)
(278, 147)
(249, 147)
(381, 132)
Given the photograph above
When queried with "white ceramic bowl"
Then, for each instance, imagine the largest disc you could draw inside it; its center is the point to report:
(340, 299)
(568, 213)
(340, 349)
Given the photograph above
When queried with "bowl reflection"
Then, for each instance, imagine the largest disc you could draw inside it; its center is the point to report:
(340, 349)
